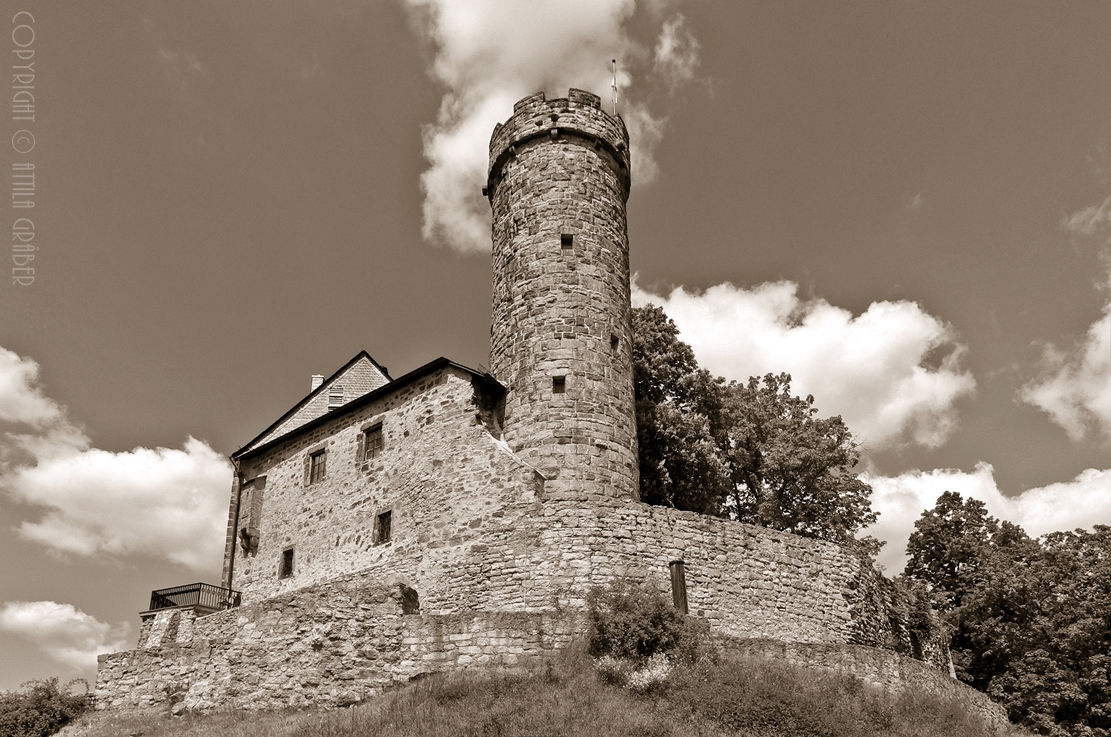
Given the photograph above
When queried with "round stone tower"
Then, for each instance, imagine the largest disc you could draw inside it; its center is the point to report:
(561, 340)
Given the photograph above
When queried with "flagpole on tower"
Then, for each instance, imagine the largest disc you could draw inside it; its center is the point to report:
(614, 87)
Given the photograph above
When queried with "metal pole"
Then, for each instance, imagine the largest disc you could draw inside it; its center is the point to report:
(615, 87)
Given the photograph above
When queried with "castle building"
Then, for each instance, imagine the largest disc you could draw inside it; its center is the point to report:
(384, 528)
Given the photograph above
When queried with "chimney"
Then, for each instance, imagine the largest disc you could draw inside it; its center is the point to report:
(317, 380)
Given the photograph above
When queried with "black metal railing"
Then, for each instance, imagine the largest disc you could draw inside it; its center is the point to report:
(200, 595)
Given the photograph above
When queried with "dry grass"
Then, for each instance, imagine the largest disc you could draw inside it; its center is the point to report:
(565, 697)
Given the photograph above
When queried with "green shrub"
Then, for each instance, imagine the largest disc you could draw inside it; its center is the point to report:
(635, 622)
(40, 708)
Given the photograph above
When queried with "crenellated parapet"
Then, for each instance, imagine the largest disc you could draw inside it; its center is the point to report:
(579, 115)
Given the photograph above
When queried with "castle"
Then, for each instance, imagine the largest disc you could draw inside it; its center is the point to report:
(384, 528)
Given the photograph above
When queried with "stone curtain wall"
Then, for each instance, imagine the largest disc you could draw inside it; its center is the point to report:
(500, 563)
(746, 581)
(338, 643)
(329, 645)
(512, 590)
(558, 181)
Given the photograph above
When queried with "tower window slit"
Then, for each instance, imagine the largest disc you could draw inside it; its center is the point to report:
(559, 384)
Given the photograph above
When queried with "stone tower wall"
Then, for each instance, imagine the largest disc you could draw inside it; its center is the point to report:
(558, 182)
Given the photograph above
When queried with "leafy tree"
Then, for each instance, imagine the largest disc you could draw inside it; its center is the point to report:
(681, 463)
(41, 708)
(751, 452)
(948, 547)
(1031, 619)
(791, 470)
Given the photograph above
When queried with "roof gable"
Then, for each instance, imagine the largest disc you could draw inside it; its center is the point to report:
(361, 375)
(274, 435)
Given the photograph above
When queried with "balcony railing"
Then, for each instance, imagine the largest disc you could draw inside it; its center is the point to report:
(203, 597)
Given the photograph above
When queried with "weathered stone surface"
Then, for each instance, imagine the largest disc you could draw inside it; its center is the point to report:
(558, 181)
(504, 508)
(332, 644)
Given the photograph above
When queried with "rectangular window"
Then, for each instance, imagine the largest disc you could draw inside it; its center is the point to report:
(372, 442)
(317, 463)
(285, 569)
(566, 241)
(559, 384)
(382, 527)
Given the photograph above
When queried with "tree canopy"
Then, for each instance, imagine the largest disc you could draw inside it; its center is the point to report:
(1031, 619)
(752, 452)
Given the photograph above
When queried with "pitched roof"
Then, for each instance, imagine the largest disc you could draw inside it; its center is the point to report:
(360, 375)
(271, 436)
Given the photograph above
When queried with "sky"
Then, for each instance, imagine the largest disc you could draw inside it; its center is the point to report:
(905, 205)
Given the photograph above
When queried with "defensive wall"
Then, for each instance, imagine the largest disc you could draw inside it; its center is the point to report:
(447, 519)
(337, 643)
(491, 565)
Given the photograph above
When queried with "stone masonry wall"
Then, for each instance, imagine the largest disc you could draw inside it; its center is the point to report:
(475, 529)
(329, 645)
(489, 550)
(339, 642)
(746, 581)
(442, 476)
(502, 576)
(558, 181)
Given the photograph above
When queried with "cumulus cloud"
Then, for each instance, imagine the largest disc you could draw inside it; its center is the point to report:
(900, 500)
(490, 53)
(893, 373)
(63, 632)
(21, 396)
(157, 502)
(1074, 387)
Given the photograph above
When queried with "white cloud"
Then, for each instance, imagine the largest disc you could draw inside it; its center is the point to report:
(491, 53)
(900, 500)
(21, 396)
(871, 368)
(63, 632)
(156, 502)
(1074, 386)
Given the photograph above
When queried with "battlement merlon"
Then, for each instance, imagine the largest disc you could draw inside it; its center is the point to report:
(579, 115)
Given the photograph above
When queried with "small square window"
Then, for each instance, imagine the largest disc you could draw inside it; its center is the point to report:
(559, 384)
(285, 570)
(372, 442)
(566, 241)
(317, 463)
(382, 527)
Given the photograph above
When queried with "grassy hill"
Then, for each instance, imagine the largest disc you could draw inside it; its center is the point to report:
(566, 697)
